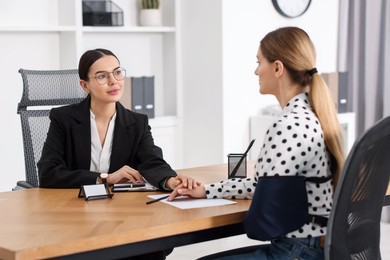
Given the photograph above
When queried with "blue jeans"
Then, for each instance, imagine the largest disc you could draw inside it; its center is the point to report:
(284, 249)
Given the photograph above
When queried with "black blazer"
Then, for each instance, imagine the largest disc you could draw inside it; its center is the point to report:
(66, 154)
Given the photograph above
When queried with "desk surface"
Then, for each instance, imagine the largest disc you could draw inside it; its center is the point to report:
(46, 223)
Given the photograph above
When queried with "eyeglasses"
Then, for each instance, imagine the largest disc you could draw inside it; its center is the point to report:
(102, 77)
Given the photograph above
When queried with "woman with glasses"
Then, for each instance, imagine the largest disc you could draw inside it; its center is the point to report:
(99, 141)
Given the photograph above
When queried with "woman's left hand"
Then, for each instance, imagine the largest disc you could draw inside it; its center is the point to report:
(198, 192)
(184, 181)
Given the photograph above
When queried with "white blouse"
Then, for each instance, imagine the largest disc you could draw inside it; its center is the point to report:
(293, 145)
(101, 155)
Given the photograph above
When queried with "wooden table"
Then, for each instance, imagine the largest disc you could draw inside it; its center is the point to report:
(48, 223)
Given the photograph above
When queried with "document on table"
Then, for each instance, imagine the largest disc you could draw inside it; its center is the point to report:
(183, 202)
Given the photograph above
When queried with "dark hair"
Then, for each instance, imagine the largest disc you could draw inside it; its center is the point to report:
(89, 58)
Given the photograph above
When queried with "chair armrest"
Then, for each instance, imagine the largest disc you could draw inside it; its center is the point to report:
(24, 185)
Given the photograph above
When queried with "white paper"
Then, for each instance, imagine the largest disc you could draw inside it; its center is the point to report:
(183, 202)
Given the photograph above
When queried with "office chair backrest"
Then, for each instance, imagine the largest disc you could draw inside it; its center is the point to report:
(50, 88)
(43, 89)
(354, 223)
(35, 124)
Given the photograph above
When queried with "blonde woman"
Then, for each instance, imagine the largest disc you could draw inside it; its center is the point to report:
(305, 141)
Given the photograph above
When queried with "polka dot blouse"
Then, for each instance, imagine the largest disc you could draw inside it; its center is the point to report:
(293, 145)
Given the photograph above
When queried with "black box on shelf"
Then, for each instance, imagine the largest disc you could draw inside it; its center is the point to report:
(102, 13)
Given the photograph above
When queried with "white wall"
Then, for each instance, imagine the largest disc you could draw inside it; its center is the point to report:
(202, 82)
(15, 54)
(242, 24)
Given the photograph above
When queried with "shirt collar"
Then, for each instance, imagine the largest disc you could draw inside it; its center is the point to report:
(300, 100)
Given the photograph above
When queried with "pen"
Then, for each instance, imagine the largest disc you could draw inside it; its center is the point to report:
(233, 174)
(155, 200)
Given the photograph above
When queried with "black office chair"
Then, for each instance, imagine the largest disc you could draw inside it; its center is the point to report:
(42, 90)
(354, 223)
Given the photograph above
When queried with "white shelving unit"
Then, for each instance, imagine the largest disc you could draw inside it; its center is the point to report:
(53, 31)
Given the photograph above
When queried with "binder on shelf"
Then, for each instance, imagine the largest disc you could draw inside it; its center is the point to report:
(149, 96)
(142, 95)
(343, 93)
(338, 85)
(137, 94)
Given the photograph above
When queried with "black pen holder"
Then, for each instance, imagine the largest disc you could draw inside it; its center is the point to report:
(233, 160)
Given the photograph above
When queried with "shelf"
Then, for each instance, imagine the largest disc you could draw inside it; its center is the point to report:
(163, 121)
(134, 29)
(37, 29)
(93, 29)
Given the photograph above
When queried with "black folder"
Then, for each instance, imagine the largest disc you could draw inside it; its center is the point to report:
(137, 94)
(149, 96)
(142, 95)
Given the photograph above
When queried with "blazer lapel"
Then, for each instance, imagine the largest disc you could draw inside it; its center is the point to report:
(80, 128)
(123, 138)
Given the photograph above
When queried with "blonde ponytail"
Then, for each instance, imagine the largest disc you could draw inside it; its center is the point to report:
(325, 109)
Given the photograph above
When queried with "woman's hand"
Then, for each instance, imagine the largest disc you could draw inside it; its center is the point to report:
(183, 180)
(125, 174)
(196, 192)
